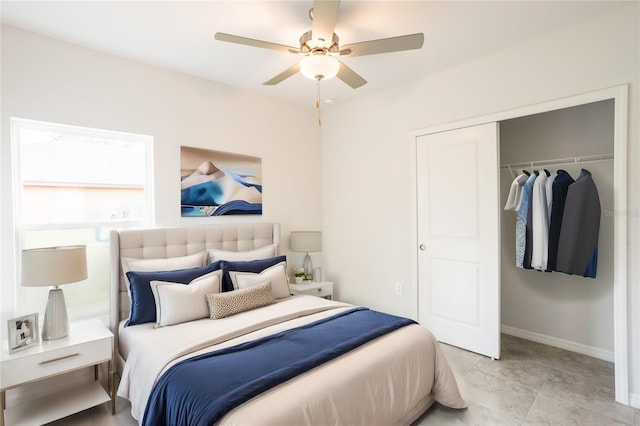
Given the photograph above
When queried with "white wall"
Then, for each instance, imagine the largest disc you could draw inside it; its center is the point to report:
(367, 157)
(48, 80)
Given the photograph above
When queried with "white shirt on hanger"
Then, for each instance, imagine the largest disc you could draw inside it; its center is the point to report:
(549, 188)
(515, 193)
(540, 223)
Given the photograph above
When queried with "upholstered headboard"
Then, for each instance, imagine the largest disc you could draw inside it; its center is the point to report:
(176, 242)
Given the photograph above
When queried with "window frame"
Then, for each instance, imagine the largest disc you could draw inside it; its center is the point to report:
(20, 230)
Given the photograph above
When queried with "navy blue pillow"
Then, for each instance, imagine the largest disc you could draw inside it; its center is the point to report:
(143, 304)
(255, 266)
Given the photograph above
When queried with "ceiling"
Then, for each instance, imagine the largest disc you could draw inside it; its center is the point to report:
(179, 35)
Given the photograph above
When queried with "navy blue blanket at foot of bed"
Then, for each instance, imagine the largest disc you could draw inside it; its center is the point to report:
(202, 389)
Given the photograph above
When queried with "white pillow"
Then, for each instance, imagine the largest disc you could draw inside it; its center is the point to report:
(255, 254)
(276, 274)
(169, 264)
(177, 303)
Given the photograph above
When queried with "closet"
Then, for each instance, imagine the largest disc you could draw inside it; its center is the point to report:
(469, 289)
(564, 310)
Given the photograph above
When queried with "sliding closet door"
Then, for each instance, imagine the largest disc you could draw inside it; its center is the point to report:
(458, 237)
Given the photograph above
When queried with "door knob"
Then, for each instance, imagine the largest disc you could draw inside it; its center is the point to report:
(422, 247)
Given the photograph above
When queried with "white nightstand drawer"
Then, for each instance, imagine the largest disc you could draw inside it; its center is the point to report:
(319, 289)
(320, 292)
(45, 364)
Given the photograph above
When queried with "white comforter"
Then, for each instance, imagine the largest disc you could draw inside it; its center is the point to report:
(387, 381)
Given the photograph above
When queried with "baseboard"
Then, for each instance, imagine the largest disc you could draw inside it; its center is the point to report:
(634, 400)
(559, 343)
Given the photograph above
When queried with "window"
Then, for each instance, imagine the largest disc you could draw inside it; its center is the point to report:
(75, 184)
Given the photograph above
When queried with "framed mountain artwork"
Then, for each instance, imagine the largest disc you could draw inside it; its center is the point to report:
(216, 183)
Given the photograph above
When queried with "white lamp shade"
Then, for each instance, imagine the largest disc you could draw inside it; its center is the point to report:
(52, 266)
(306, 242)
(319, 67)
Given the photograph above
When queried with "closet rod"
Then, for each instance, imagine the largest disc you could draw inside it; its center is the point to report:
(569, 160)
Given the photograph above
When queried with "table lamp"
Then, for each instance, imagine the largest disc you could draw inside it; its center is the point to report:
(306, 242)
(53, 266)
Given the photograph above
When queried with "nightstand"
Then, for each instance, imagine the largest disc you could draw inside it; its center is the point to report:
(89, 344)
(320, 289)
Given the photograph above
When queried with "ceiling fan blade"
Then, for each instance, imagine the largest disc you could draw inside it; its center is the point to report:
(350, 77)
(384, 45)
(283, 75)
(255, 43)
(325, 14)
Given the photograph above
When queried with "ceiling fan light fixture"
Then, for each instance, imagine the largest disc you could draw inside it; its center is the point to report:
(319, 67)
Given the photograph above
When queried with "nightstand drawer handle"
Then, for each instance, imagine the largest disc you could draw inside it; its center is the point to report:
(58, 359)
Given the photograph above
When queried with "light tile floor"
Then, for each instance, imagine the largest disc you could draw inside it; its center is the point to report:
(532, 384)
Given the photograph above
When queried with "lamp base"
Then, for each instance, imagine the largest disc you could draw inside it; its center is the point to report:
(56, 322)
(308, 267)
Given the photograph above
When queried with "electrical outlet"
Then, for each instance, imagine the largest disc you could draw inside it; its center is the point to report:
(398, 289)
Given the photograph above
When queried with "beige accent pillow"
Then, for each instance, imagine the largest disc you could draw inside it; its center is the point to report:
(177, 303)
(169, 264)
(232, 256)
(276, 274)
(229, 303)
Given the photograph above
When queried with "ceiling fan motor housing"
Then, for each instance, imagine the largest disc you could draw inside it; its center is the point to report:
(310, 46)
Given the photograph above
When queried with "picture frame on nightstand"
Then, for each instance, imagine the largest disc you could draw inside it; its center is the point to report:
(23, 332)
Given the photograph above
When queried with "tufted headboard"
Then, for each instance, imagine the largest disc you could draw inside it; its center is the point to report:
(175, 242)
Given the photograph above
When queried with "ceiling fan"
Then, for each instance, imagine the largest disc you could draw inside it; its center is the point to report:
(320, 48)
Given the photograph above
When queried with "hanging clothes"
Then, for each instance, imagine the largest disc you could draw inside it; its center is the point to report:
(515, 193)
(521, 221)
(578, 246)
(540, 223)
(549, 190)
(528, 248)
(560, 186)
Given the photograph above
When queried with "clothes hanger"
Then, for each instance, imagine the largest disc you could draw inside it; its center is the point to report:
(526, 172)
(547, 172)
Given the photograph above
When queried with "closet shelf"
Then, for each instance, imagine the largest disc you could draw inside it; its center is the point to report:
(558, 161)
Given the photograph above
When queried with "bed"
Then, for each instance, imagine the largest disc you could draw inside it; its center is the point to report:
(326, 362)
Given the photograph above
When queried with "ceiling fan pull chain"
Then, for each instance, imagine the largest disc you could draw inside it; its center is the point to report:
(318, 102)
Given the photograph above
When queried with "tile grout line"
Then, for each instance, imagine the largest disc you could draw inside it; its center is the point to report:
(475, 367)
(524, 421)
(546, 377)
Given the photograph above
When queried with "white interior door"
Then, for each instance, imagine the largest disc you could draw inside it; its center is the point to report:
(459, 237)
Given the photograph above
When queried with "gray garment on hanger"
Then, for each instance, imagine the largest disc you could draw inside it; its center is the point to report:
(580, 226)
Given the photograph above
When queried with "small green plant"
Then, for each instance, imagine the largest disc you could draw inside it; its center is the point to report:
(299, 272)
